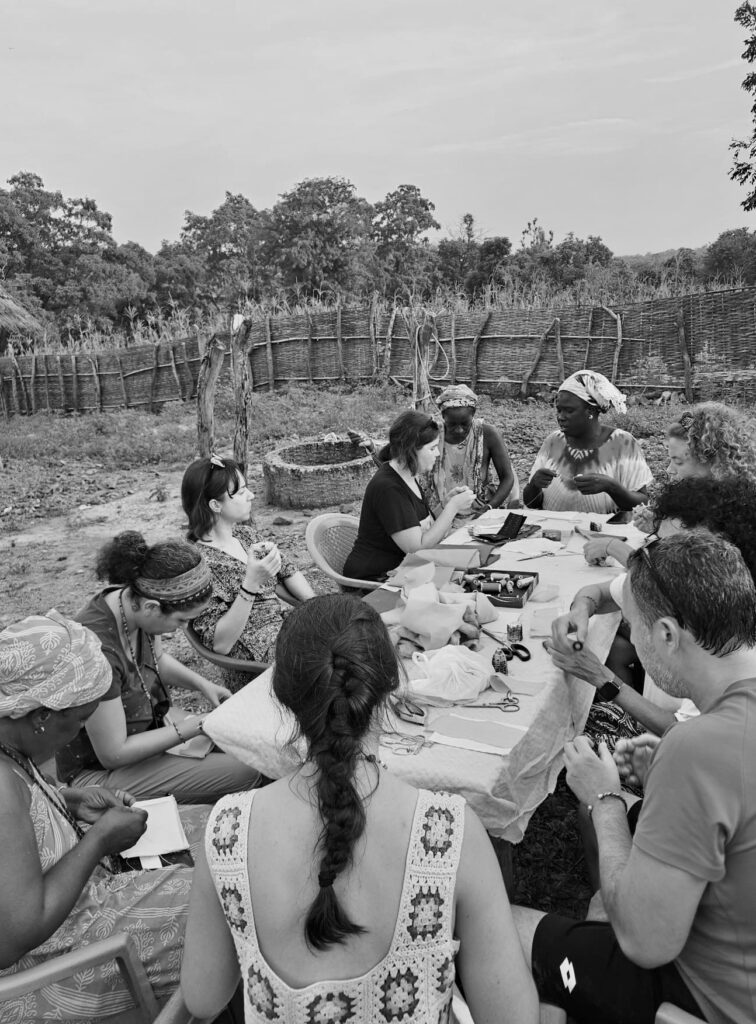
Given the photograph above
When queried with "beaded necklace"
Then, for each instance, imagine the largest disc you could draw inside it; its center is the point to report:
(28, 766)
(132, 654)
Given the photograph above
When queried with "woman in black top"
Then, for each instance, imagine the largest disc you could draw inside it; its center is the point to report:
(395, 519)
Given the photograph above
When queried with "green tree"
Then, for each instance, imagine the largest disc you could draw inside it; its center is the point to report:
(317, 238)
(400, 221)
(743, 169)
(229, 244)
(732, 257)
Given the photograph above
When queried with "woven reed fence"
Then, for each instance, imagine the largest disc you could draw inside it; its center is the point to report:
(680, 344)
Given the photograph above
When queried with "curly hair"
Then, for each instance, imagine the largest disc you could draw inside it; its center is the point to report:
(718, 437)
(722, 506)
(335, 667)
(128, 556)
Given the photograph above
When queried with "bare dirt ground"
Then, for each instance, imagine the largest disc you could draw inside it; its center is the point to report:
(51, 563)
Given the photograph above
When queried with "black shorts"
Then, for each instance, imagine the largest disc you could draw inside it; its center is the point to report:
(579, 966)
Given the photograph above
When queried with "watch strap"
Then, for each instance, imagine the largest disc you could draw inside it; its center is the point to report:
(609, 690)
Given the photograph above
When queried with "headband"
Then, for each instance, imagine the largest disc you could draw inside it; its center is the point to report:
(457, 396)
(177, 588)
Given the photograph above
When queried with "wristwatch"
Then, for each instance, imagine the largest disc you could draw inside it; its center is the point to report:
(610, 688)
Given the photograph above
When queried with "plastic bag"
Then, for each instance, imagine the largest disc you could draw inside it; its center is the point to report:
(454, 674)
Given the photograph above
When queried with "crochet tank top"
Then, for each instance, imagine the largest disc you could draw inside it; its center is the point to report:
(412, 984)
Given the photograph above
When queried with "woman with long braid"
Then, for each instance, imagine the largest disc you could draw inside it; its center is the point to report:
(340, 893)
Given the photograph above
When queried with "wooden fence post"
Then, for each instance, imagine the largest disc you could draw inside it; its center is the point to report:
(269, 354)
(389, 340)
(339, 345)
(685, 356)
(617, 317)
(558, 343)
(474, 356)
(536, 361)
(153, 381)
(423, 399)
(310, 332)
(372, 334)
(242, 392)
(210, 368)
(453, 329)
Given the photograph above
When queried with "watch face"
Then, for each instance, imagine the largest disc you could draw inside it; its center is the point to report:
(609, 690)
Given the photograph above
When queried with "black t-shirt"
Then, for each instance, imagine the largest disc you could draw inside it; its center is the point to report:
(388, 507)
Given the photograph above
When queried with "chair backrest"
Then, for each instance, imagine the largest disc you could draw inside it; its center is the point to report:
(330, 538)
(669, 1014)
(252, 668)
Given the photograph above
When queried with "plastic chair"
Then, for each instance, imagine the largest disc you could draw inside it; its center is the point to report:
(250, 668)
(669, 1014)
(329, 538)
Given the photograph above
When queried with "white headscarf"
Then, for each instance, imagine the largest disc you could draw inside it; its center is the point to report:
(595, 389)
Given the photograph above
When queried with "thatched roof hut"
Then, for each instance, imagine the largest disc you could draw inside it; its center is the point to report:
(15, 320)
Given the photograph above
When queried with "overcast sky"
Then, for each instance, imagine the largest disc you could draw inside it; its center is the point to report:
(596, 116)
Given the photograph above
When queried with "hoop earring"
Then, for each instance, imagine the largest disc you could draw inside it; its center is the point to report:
(38, 729)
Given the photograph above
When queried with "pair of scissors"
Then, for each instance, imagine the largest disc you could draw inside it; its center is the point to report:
(511, 650)
(508, 703)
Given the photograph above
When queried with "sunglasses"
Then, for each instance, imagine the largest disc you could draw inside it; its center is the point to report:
(645, 555)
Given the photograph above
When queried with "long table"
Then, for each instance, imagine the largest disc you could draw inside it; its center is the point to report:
(504, 789)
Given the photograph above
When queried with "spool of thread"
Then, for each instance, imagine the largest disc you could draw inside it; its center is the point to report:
(488, 587)
(514, 632)
(499, 661)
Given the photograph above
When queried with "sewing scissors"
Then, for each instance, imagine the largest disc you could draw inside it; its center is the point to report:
(508, 703)
(511, 650)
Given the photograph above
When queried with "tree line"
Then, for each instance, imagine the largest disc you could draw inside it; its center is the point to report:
(320, 241)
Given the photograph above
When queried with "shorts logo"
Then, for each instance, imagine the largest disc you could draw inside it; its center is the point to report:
(568, 975)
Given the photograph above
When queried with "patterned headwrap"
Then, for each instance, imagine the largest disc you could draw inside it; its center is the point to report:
(457, 396)
(178, 589)
(595, 389)
(47, 661)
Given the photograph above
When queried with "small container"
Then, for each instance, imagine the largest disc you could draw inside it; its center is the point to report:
(514, 632)
(499, 661)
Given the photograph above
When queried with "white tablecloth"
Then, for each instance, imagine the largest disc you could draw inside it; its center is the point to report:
(503, 789)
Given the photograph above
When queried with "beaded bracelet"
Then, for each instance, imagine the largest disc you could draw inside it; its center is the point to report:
(605, 796)
(176, 728)
(247, 595)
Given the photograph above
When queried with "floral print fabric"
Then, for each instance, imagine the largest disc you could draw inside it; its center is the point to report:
(258, 638)
(150, 905)
(413, 984)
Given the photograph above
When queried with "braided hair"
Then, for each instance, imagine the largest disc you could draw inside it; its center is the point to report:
(335, 667)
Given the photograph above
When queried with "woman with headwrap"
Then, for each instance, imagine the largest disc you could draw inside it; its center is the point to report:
(467, 448)
(586, 466)
(126, 742)
(62, 887)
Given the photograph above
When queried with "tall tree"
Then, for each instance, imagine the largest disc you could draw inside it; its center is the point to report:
(743, 169)
(400, 222)
(229, 243)
(317, 238)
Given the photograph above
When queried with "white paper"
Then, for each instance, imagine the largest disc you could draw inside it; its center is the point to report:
(164, 832)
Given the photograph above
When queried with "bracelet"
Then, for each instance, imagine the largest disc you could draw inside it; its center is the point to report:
(605, 796)
(247, 595)
(176, 728)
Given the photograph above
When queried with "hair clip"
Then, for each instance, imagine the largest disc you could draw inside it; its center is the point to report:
(216, 460)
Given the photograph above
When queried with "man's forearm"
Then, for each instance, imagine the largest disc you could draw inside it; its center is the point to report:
(614, 842)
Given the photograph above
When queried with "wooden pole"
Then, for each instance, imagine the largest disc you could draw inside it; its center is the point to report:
(373, 337)
(618, 347)
(210, 368)
(47, 382)
(123, 381)
(309, 347)
(269, 354)
(153, 381)
(242, 392)
(558, 343)
(474, 356)
(423, 396)
(453, 347)
(62, 385)
(97, 384)
(536, 361)
(389, 340)
(33, 383)
(339, 344)
(74, 383)
(687, 368)
(174, 369)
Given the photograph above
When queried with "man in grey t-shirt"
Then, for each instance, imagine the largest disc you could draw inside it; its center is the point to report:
(679, 895)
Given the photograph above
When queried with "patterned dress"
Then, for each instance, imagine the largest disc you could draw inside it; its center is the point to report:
(412, 984)
(150, 905)
(620, 457)
(258, 638)
(462, 466)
